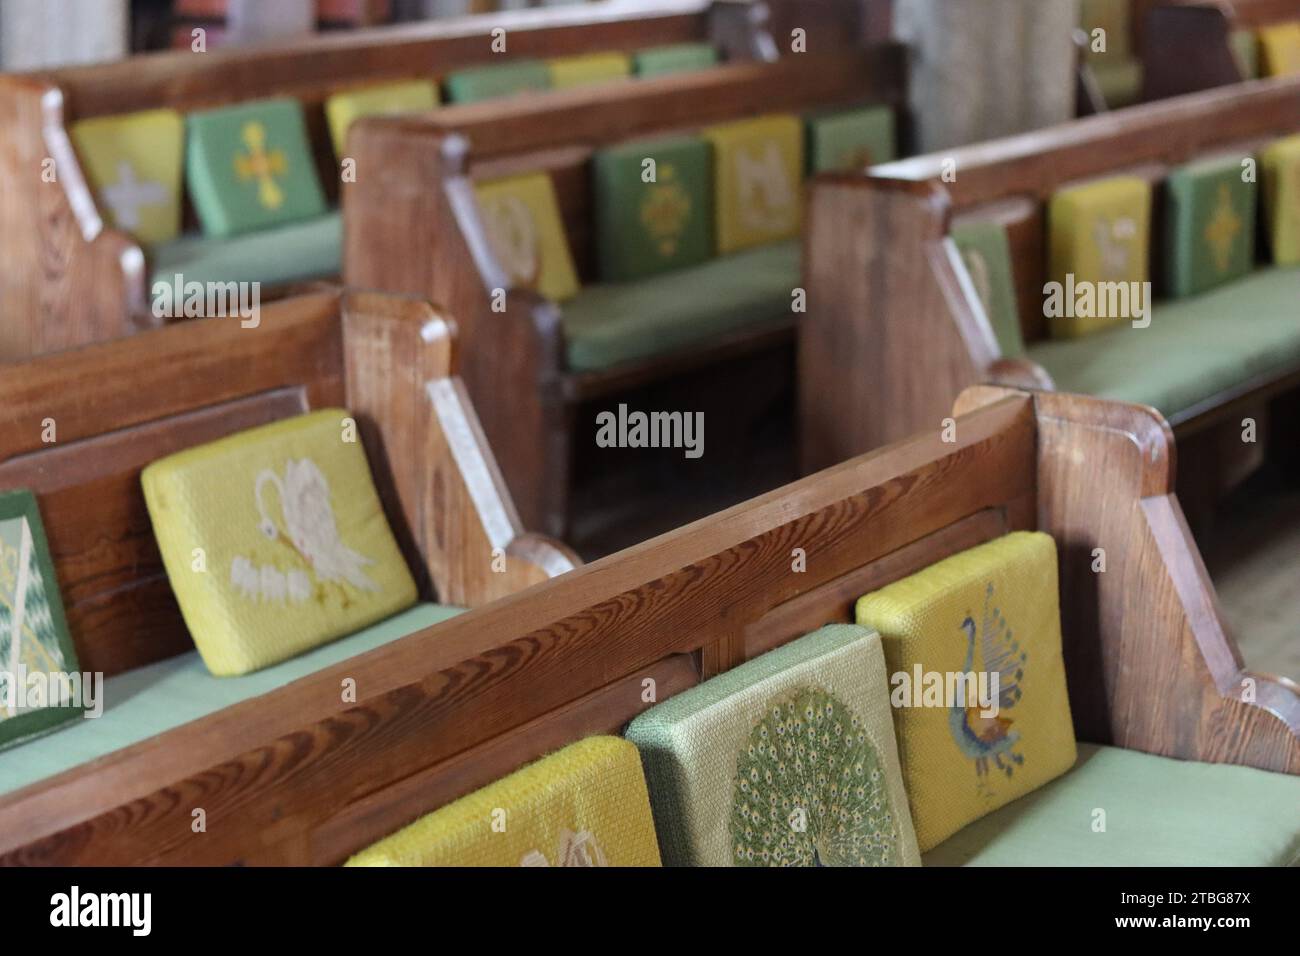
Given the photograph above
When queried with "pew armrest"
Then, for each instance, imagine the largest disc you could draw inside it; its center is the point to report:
(462, 533)
(1018, 373)
(1150, 661)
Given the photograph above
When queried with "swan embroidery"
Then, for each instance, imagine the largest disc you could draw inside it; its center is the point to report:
(990, 739)
(575, 849)
(309, 530)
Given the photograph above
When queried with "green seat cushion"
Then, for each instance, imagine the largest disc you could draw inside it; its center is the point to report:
(1158, 812)
(618, 322)
(986, 254)
(1120, 81)
(1193, 349)
(149, 700)
(250, 167)
(644, 228)
(310, 249)
(843, 140)
(675, 58)
(503, 79)
(1209, 231)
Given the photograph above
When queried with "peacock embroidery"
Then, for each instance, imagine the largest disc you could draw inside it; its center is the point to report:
(989, 739)
(309, 530)
(810, 789)
(28, 637)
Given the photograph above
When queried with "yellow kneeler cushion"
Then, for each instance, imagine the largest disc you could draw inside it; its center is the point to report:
(757, 167)
(992, 610)
(1279, 47)
(1098, 235)
(585, 805)
(274, 541)
(1281, 167)
(521, 216)
(588, 69)
(133, 163)
(387, 99)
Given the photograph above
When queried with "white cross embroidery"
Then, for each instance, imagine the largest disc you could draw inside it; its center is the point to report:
(128, 194)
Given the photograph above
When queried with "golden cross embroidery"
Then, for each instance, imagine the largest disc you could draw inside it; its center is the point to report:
(261, 165)
(665, 210)
(1222, 229)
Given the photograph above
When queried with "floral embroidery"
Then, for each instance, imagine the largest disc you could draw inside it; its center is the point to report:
(575, 849)
(984, 738)
(810, 789)
(28, 637)
(311, 534)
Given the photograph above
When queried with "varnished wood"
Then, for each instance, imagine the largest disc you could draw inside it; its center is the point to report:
(66, 279)
(1190, 47)
(891, 318)
(513, 360)
(296, 776)
(77, 427)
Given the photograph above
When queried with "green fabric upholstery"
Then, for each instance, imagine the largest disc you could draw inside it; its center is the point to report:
(1209, 225)
(1193, 349)
(1159, 812)
(250, 167)
(675, 58)
(1245, 47)
(505, 79)
(623, 321)
(646, 228)
(843, 140)
(1120, 81)
(987, 254)
(311, 249)
(149, 700)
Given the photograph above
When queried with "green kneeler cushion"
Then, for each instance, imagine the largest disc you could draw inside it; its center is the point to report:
(250, 167)
(786, 760)
(675, 58)
(615, 322)
(844, 140)
(987, 256)
(1120, 81)
(505, 79)
(310, 249)
(1209, 225)
(1193, 349)
(1158, 812)
(149, 700)
(644, 228)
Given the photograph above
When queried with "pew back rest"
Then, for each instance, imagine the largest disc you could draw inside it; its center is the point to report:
(1191, 41)
(77, 427)
(1011, 180)
(452, 708)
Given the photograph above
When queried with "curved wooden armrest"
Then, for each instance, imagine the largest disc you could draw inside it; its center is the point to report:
(1018, 373)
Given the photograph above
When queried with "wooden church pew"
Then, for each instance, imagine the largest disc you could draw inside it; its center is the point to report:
(77, 427)
(60, 256)
(416, 229)
(893, 316)
(1192, 45)
(296, 777)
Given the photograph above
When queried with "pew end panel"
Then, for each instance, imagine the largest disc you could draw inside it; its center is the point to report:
(295, 777)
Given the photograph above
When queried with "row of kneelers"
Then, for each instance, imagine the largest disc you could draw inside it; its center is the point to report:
(135, 161)
(797, 757)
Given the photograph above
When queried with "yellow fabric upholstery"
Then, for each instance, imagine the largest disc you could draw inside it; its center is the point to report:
(757, 165)
(274, 541)
(133, 163)
(386, 99)
(522, 218)
(588, 69)
(1098, 233)
(1281, 166)
(1279, 47)
(991, 611)
(585, 805)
